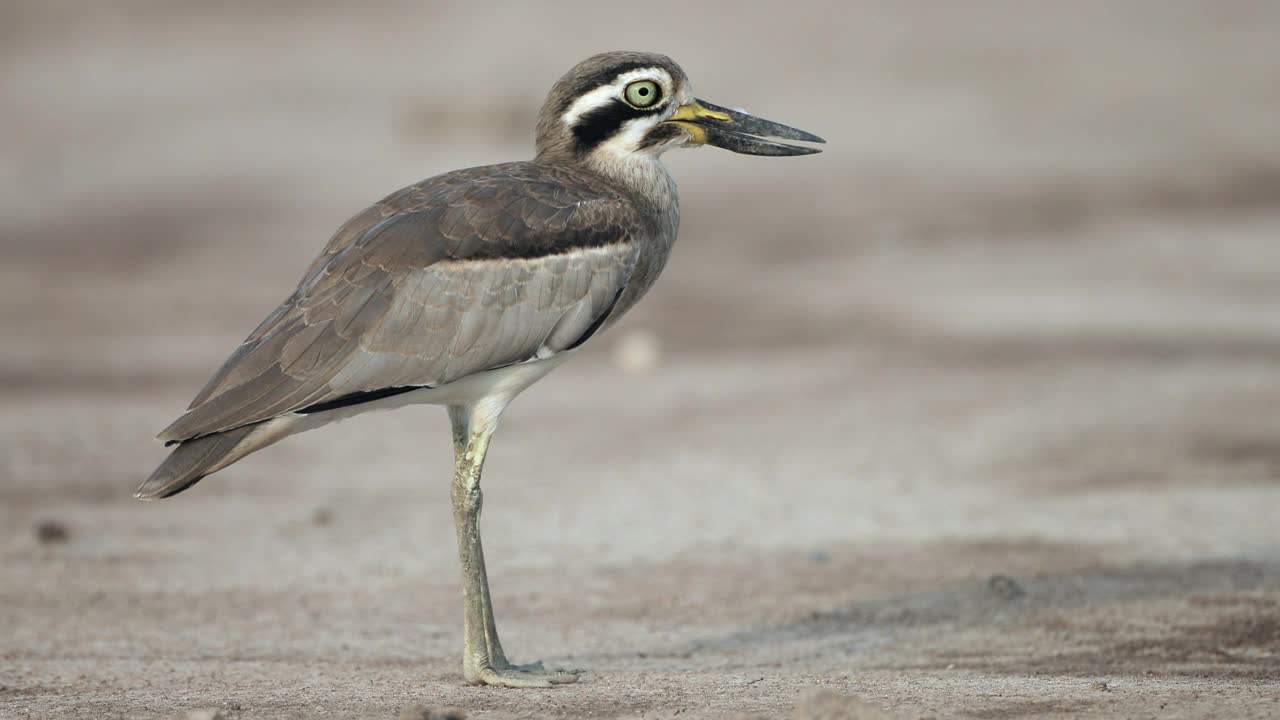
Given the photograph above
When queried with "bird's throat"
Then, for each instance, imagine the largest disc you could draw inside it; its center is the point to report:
(642, 173)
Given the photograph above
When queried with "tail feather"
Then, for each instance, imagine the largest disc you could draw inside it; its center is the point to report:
(193, 459)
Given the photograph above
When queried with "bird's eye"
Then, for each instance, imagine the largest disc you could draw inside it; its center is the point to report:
(642, 93)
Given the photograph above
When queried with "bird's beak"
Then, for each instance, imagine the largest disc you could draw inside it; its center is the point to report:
(709, 124)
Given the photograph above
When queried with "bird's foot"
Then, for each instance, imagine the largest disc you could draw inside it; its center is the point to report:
(533, 675)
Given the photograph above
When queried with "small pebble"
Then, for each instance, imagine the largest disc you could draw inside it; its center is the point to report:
(1005, 587)
(49, 532)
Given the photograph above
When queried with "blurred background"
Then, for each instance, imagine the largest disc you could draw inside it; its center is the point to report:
(974, 414)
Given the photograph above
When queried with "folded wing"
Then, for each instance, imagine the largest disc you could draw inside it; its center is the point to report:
(455, 276)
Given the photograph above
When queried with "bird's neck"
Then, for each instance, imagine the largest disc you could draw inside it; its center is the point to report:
(642, 173)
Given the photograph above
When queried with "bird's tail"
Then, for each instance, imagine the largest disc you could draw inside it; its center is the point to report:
(193, 459)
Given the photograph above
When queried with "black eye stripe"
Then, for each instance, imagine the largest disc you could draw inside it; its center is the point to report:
(596, 126)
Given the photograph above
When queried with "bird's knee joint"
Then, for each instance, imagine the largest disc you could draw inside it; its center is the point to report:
(468, 497)
(473, 501)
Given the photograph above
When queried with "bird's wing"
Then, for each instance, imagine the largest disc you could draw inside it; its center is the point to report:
(446, 279)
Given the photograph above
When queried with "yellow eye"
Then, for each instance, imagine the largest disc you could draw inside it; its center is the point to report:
(642, 93)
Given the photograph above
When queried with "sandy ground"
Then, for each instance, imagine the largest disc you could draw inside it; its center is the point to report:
(974, 415)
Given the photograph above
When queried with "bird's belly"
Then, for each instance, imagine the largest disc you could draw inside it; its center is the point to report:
(501, 383)
(497, 386)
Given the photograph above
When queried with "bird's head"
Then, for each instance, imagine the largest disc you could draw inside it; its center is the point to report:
(623, 107)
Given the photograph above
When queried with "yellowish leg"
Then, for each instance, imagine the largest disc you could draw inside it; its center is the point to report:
(483, 662)
(460, 419)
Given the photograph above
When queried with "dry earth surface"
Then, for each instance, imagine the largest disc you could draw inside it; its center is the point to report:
(974, 415)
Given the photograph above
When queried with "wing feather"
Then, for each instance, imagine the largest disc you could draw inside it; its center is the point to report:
(457, 275)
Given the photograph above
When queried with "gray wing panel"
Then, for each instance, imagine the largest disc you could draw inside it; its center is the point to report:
(364, 326)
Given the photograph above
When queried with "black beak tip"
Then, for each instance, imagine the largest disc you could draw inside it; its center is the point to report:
(786, 149)
(798, 150)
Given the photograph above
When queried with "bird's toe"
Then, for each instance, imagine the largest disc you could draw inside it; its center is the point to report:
(520, 677)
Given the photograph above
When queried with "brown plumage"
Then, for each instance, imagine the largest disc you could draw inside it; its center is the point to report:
(466, 288)
(469, 271)
(466, 272)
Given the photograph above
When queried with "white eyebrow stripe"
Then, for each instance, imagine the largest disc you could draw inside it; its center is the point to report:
(601, 96)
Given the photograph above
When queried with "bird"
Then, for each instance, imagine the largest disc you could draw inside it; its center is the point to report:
(468, 287)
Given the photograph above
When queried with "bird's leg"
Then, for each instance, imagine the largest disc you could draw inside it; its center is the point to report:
(483, 660)
(460, 418)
